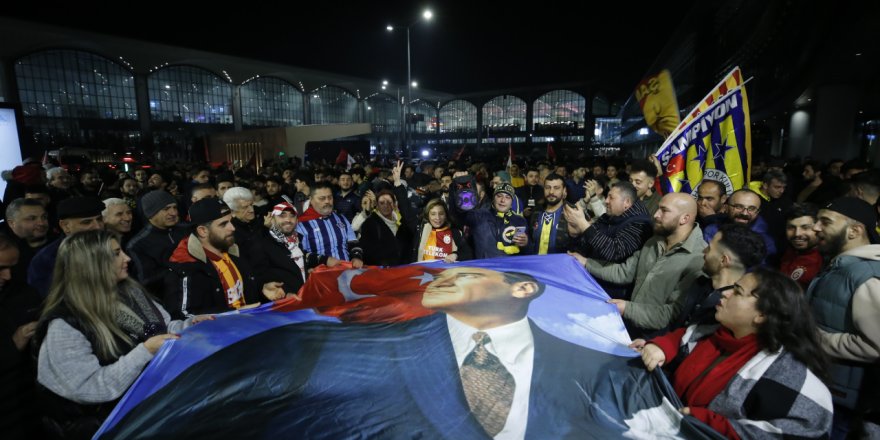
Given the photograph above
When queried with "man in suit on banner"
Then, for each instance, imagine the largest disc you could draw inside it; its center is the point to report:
(480, 369)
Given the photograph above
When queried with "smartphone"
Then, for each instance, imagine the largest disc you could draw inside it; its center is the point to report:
(520, 229)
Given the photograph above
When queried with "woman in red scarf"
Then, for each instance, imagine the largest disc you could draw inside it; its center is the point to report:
(757, 374)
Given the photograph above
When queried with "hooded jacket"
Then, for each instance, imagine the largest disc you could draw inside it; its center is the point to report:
(845, 298)
(193, 286)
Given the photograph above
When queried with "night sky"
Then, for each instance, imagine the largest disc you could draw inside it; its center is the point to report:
(467, 47)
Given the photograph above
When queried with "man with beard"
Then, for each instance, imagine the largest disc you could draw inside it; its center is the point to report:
(549, 227)
(743, 207)
(531, 194)
(819, 188)
(733, 252)
(801, 260)
(207, 276)
(274, 190)
(277, 254)
(346, 201)
(89, 184)
(156, 182)
(845, 299)
(664, 268)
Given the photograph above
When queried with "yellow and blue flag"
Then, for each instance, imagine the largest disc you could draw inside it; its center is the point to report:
(713, 142)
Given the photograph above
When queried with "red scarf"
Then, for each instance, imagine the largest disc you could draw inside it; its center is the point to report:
(698, 389)
(310, 214)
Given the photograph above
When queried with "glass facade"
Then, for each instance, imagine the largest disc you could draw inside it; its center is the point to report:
(426, 116)
(383, 113)
(271, 102)
(607, 130)
(190, 95)
(74, 84)
(560, 109)
(505, 113)
(333, 105)
(458, 116)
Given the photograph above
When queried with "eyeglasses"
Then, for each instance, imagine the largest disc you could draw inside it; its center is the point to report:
(749, 209)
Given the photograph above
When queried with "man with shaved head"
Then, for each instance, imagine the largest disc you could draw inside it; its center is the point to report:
(661, 270)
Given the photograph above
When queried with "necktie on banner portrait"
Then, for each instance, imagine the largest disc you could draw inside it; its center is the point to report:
(713, 142)
(365, 354)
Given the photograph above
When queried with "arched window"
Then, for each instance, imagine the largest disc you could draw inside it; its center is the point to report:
(426, 116)
(189, 94)
(271, 102)
(458, 116)
(332, 105)
(74, 84)
(559, 108)
(383, 113)
(505, 113)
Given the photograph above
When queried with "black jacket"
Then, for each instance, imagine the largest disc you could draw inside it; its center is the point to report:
(149, 251)
(19, 305)
(381, 246)
(271, 261)
(193, 287)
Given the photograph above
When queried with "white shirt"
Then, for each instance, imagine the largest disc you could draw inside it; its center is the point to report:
(514, 346)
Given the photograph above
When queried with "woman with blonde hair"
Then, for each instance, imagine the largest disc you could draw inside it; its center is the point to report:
(97, 331)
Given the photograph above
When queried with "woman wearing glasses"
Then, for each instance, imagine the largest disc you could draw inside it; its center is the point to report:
(760, 372)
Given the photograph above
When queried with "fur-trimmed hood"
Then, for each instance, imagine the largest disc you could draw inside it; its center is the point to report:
(190, 250)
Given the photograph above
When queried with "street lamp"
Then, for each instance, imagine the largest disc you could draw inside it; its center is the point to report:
(427, 15)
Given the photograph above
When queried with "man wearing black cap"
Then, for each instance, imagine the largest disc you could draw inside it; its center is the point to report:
(207, 275)
(150, 248)
(75, 214)
(845, 298)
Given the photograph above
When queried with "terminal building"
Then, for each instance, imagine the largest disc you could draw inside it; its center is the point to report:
(814, 93)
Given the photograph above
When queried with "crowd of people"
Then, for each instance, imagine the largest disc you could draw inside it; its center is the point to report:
(761, 303)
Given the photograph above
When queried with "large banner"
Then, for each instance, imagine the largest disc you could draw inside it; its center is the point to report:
(516, 347)
(712, 142)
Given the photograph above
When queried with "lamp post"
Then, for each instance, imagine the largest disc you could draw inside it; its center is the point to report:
(426, 15)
